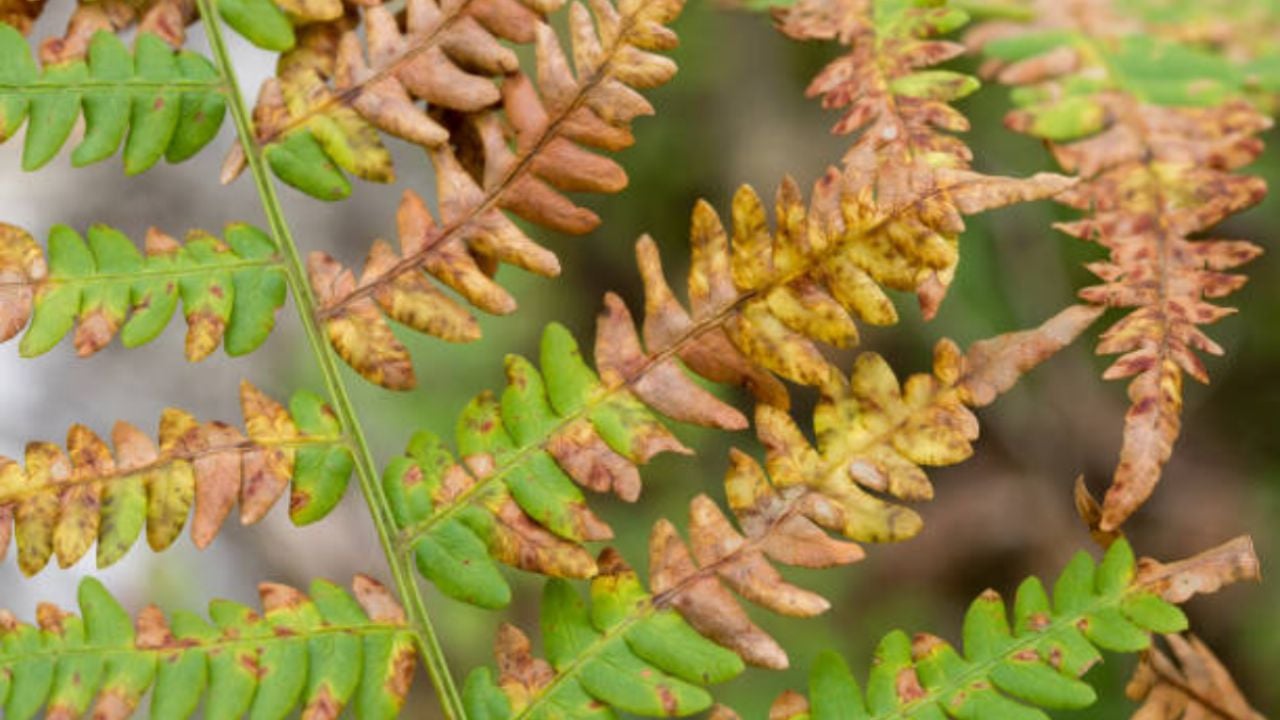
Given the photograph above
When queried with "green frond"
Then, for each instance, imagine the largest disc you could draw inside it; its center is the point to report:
(621, 651)
(158, 102)
(230, 290)
(318, 653)
(515, 496)
(61, 503)
(1010, 666)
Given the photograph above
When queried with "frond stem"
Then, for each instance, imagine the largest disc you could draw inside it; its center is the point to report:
(407, 588)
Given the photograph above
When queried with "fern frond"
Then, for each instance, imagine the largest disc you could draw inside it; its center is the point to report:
(1006, 670)
(324, 109)
(554, 121)
(858, 232)
(1196, 685)
(898, 104)
(622, 652)
(1155, 131)
(62, 502)
(515, 495)
(318, 653)
(1039, 660)
(874, 441)
(230, 291)
(512, 498)
(322, 115)
(170, 103)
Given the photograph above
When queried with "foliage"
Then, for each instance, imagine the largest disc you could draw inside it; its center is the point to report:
(320, 653)
(1151, 118)
(170, 103)
(230, 291)
(1201, 687)
(60, 503)
(1110, 605)
(513, 495)
(1154, 130)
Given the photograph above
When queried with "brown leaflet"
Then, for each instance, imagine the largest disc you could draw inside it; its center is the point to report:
(268, 463)
(521, 675)
(1193, 683)
(1201, 574)
(357, 331)
(22, 271)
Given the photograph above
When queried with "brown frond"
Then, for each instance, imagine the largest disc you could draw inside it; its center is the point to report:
(1157, 162)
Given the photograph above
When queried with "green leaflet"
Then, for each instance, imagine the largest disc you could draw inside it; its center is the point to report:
(1151, 69)
(158, 102)
(260, 21)
(102, 286)
(514, 497)
(617, 653)
(330, 650)
(1006, 670)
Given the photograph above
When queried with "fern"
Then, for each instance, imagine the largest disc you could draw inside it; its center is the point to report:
(62, 502)
(1009, 671)
(904, 163)
(1201, 687)
(310, 130)
(230, 291)
(1111, 605)
(1154, 130)
(170, 103)
(512, 498)
(900, 234)
(317, 653)
(591, 105)
(623, 652)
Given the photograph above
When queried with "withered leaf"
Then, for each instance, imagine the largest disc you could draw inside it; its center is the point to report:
(62, 503)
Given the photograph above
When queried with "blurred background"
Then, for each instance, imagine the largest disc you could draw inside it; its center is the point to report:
(736, 113)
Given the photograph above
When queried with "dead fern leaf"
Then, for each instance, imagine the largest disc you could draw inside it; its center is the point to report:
(320, 114)
(1155, 138)
(60, 503)
(897, 104)
(873, 442)
(1195, 687)
(554, 121)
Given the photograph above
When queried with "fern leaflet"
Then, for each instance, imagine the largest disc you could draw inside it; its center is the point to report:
(319, 653)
